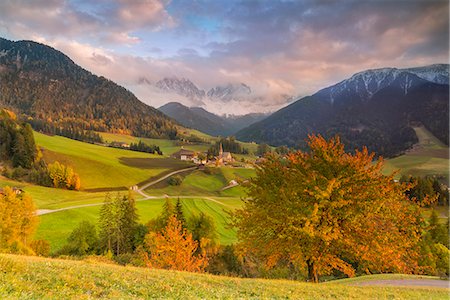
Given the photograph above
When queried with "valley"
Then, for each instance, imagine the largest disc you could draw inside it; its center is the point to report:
(299, 165)
(104, 171)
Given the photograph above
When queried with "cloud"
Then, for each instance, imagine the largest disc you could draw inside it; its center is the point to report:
(102, 22)
(279, 48)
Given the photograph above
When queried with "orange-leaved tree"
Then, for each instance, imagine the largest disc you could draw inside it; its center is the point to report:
(327, 210)
(174, 249)
(18, 221)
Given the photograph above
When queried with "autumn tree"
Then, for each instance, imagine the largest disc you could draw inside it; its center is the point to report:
(18, 220)
(327, 210)
(174, 249)
(63, 176)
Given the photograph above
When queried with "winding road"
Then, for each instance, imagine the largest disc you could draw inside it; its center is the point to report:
(140, 190)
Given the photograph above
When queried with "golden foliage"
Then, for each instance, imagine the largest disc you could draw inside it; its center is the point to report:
(63, 176)
(174, 249)
(18, 220)
(325, 209)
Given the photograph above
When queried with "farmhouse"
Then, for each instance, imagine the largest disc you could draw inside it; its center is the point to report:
(119, 145)
(15, 190)
(185, 154)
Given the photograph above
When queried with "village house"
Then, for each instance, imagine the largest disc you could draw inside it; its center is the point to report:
(185, 154)
(119, 145)
(16, 191)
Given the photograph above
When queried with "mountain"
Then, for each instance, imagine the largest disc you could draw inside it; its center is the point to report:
(52, 91)
(182, 87)
(221, 99)
(200, 119)
(229, 92)
(375, 108)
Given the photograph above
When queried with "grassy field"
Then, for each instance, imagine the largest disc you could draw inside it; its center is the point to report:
(168, 147)
(57, 226)
(104, 167)
(428, 157)
(199, 183)
(50, 198)
(368, 278)
(25, 277)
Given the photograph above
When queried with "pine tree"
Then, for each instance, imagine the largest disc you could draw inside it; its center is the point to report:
(160, 222)
(129, 221)
(179, 213)
(106, 224)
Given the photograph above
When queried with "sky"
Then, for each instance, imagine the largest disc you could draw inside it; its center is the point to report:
(283, 50)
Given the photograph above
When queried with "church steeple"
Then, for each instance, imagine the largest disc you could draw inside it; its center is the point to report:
(220, 150)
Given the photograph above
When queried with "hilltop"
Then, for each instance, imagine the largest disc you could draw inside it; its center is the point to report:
(52, 91)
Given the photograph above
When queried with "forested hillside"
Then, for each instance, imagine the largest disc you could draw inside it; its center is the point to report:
(375, 108)
(49, 88)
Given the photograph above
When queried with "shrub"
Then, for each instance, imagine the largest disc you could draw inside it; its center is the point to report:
(40, 247)
(175, 180)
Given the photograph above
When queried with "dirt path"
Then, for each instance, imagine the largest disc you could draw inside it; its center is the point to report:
(41, 212)
(141, 189)
(407, 282)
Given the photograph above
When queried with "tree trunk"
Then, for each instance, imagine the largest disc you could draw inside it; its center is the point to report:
(312, 271)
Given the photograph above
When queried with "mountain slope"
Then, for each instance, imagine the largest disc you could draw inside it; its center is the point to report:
(188, 117)
(200, 119)
(46, 85)
(373, 108)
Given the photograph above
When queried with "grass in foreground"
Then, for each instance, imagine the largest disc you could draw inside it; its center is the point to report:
(39, 278)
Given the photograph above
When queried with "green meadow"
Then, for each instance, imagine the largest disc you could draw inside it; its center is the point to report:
(199, 182)
(56, 227)
(26, 277)
(428, 157)
(102, 167)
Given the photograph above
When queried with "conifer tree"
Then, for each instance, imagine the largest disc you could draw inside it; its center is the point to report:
(106, 224)
(179, 213)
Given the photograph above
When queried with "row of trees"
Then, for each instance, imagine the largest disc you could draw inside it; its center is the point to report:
(24, 160)
(168, 241)
(143, 147)
(70, 130)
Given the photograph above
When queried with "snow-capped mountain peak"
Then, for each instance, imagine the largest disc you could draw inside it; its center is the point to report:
(229, 91)
(183, 87)
(367, 83)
